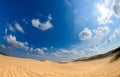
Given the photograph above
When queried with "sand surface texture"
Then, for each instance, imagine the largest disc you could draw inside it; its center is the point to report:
(19, 67)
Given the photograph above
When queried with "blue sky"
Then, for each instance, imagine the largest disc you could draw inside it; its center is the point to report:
(59, 30)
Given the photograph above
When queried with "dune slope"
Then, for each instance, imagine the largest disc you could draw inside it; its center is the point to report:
(18, 67)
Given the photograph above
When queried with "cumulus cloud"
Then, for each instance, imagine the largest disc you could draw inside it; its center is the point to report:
(42, 26)
(46, 25)
(96, 35)
(36, 23)
(101, 32)
(19, 28)
(39, 51)
(116, 8)
(114, 35)
(12, 41)
(86, 34)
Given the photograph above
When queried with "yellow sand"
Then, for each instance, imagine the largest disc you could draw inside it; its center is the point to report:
(18, 67)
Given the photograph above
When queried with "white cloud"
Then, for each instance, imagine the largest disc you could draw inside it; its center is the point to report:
(36, 23)
(39, 51)
(114, 35)
(45, 48)
(19, 28)
(65, 53)
(46, 25)
(42, 26)
(11, 28)
(12, 41)
(86, 34)
(105, 14)
(116, 8)
(72, 54)
(55, 55)
(101, 32)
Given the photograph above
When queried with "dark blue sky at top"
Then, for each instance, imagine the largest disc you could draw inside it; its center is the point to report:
(80, 27)
(59, 36)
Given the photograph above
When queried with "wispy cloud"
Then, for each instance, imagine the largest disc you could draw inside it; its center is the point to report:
(114, 35)
(11, 28)
(16, 26)
(66, 53)
(70, 54)
(19, 28)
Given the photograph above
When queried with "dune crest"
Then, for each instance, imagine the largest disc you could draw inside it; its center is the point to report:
(17, 67)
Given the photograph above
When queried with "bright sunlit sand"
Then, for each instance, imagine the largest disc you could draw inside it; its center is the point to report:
(19, 67)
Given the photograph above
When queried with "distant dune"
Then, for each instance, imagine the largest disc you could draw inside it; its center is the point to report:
(3, 53)
(110, 53)
(19, 67)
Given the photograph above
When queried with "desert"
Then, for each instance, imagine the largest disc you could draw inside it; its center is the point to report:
(21, 67)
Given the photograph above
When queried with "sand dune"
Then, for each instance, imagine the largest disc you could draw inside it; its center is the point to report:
(18, 67)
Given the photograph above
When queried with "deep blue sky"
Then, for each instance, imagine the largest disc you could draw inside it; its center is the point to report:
(58, 29)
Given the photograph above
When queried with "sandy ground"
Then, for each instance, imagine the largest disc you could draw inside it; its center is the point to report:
(18, 67)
